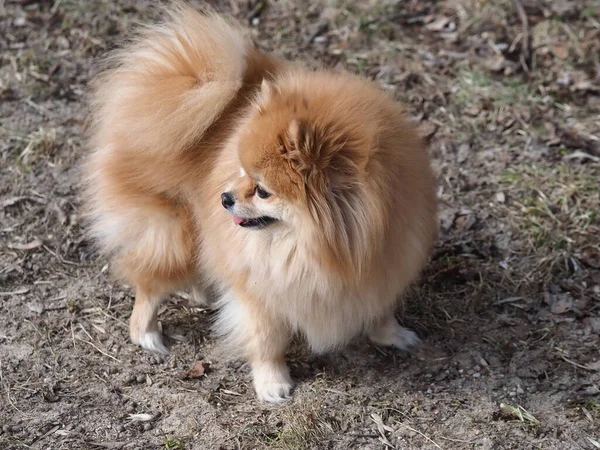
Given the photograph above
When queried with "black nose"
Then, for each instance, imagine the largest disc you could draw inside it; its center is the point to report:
(227, 200)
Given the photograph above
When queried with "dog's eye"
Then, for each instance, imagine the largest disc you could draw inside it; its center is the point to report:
(262, 193)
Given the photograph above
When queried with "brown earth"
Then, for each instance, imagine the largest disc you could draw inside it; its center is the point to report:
(509, 307)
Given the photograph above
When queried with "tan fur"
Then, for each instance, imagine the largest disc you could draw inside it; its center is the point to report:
(190, 110)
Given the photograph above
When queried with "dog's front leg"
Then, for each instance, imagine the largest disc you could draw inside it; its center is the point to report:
(264, 340)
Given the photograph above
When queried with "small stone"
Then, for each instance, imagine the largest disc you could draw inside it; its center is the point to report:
(120, 428)
(129, 378)
(147, 426)
(476, 375)
(63, 42)
(140, 378)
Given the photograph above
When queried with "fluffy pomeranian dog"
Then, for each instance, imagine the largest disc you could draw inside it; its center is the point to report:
(304, 197)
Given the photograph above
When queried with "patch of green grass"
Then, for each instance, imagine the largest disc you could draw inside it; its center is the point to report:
(476, 84)
(172, 444)
(551, 208)
(509, 177)
(592, 405)
(32, 146)
(592, 11)
(477, 13)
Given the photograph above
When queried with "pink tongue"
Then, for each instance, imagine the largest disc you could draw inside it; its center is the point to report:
(237, 220)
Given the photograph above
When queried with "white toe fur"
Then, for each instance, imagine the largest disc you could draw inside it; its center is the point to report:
(390, 333)
(153, 341)
(272, 383)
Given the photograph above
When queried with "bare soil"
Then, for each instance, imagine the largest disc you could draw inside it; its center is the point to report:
(507, 92)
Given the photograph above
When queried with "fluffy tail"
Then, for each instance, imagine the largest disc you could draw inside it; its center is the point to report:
(170, 83)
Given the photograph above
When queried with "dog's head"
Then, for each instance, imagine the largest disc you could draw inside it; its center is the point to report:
(303, 152)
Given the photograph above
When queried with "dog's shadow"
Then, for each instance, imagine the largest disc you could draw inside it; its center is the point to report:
(452, 308)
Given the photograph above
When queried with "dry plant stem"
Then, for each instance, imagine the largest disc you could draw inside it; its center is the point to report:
(526, 40)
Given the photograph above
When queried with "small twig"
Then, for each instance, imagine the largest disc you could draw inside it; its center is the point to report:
(73, 335)
(48, 433)
(103, 352)
(581, 366)
(507, 300)
(44, 111)
(594, 442)
(58, 257)
(17, 292)
(94, 345)
(526, 41)
(12, 403)
(458, 440)
(414, 430)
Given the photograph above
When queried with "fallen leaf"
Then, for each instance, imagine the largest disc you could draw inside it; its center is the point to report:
(36, 307)
(559, 303)
(382, 428)
(427, 130)
(463, 152)
(438, 24)
(594, 365)
(561, 51)
(496, 64)
(141, 417)
(472, 110)
(591, 257)
(465, 221)
(197, 371)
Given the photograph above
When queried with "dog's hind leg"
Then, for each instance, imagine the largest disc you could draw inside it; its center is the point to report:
(158, 259)
(143, 327)
(388, 332)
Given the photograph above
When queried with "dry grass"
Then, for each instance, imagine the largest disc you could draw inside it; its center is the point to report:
(517, 152)
(521, 414)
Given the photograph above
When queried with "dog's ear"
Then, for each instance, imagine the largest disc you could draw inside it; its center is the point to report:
(264, 95)
(324, 152)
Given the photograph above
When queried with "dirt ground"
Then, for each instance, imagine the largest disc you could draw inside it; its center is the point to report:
(507, 92)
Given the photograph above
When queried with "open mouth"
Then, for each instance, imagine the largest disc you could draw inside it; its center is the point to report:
(256, 222)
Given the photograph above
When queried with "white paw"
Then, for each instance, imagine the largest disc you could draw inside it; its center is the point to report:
(273, 384)
(274, 392)
(393, 335)
(405, 339)
(153, 341)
